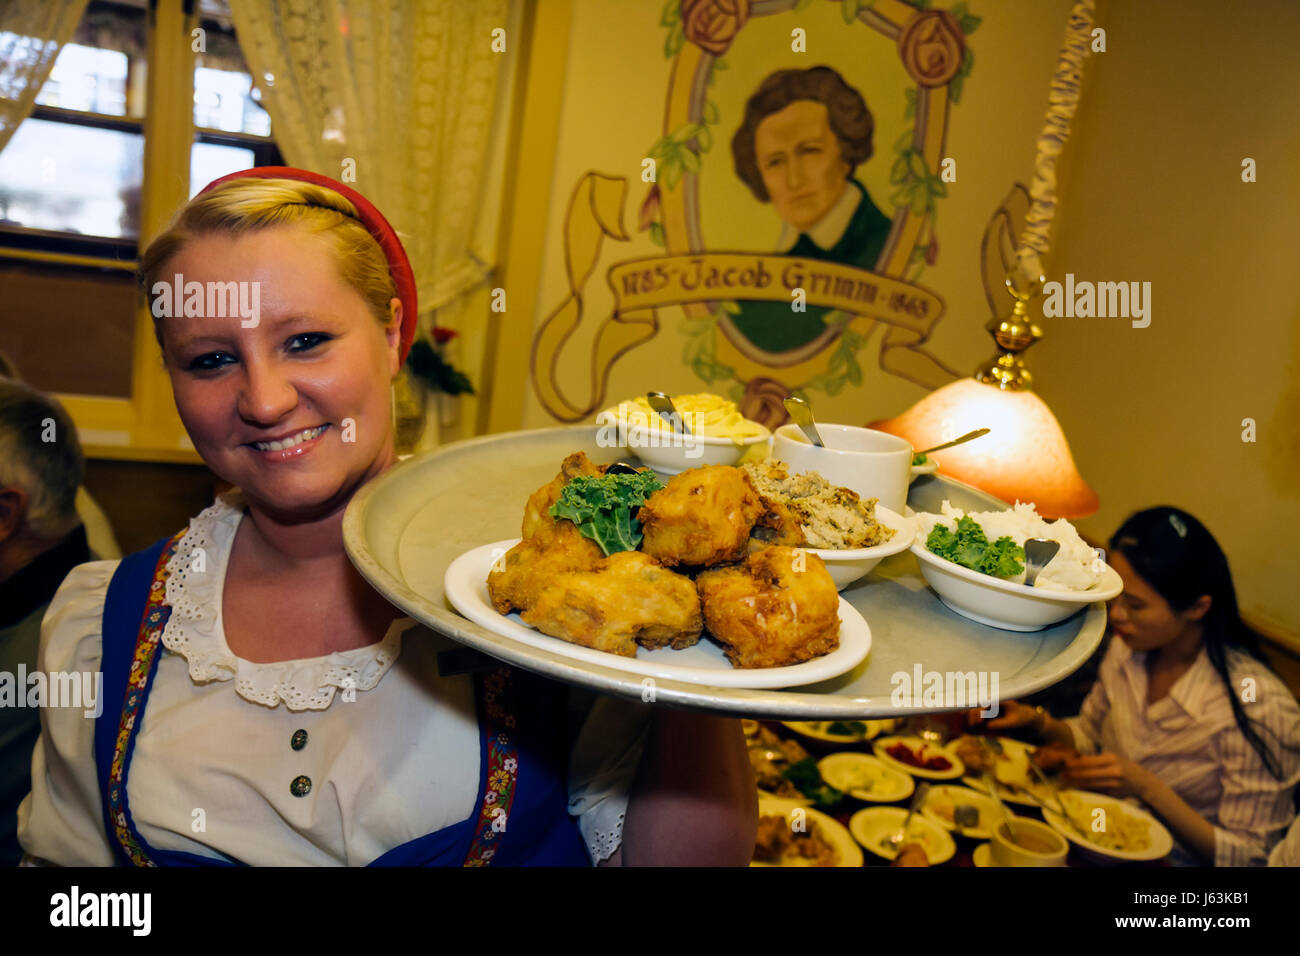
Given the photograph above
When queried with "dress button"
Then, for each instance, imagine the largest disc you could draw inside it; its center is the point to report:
(298, 740)
(301, 786)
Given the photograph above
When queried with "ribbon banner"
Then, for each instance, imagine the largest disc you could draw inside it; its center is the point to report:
(677, 280)
(643, 286)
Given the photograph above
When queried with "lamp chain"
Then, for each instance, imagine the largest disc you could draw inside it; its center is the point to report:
(1063, 100)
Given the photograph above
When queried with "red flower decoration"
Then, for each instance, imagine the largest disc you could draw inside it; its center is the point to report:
(713, 24)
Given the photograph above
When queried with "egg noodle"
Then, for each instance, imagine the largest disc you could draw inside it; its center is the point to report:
(703, 413)
(1125, 832)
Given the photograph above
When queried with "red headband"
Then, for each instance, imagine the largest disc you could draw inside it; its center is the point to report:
(399, 267)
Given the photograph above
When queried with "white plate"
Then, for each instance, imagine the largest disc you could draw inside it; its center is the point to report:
(871, 825)
(929, 468)
(892, 784)
(952, 794)
(705, 663)
(1161, 840)
(817, 730)
(832, 831)
(952, 773)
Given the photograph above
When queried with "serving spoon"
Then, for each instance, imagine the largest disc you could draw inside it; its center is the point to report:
(662, 404)
(969, 436)
(1038, 552)
(802, 414)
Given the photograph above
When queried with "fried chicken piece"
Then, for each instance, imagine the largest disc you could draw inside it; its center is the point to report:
(778, 607)
(626, 600)
(537, 520)
(702, 517)
(777, 525)
(516, 581)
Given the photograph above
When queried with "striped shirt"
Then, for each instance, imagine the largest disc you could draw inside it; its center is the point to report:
(1191, 741)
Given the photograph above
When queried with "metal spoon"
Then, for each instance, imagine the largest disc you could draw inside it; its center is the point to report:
(969, 436)
(997, 798)
(1038, 552)
(895, 840)
(662, 404)
(1056, 792)
(802, 414)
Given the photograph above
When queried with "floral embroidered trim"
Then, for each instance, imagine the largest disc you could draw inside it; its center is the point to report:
(156, 613)
(495, 694)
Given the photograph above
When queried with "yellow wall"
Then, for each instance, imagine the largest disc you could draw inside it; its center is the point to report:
(611, 111)
(1154, 193)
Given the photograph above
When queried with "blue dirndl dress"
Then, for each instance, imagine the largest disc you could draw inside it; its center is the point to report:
(522, 816)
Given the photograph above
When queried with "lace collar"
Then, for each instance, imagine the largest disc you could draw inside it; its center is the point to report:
(195, 632)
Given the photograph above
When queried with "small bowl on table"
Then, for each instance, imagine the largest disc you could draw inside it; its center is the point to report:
(1038, 845)
(1005, 604)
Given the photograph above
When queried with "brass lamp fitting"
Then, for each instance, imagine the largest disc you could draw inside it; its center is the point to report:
(1013, 335)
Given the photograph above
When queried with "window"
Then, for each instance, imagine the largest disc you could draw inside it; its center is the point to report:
(232, 130)
(71, 176)
(71, 193)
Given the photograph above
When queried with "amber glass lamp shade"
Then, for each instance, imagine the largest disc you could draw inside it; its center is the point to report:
(1024, 457)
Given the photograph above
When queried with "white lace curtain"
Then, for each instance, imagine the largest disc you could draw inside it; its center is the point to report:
(399, 93)
(31, 34)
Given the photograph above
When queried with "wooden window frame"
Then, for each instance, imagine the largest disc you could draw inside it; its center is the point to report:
(145, 426)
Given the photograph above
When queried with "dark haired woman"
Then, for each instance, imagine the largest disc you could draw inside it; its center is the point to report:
(1185, 714)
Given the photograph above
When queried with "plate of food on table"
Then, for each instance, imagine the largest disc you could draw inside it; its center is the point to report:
(1108, 829)
(864, 777)
(962, 811)
(1007, 760)
(919, 757)
(874, 826)
(841, 731)
(793, 834)
(699, 578)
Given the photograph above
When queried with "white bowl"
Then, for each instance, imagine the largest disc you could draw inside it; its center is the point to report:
(1003, 604)
(850, 564)
(873, 463)
(670, 454)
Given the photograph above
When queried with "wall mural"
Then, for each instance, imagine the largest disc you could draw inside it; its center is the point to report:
(760, 139)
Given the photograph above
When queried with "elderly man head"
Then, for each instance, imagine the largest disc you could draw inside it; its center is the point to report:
(41, 540)
(40, 469)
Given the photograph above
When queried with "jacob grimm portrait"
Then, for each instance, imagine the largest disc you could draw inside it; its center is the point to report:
(803, 135)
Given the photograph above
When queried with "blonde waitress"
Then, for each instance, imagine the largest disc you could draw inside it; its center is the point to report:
(262, 704)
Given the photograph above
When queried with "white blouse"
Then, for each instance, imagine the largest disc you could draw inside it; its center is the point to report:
(1190, 740)
(392, 746)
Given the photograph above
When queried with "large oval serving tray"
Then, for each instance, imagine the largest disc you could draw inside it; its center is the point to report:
(404, 528)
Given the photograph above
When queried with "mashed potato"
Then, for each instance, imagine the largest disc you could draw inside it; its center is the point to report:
(703, 413)
(1076, 567)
